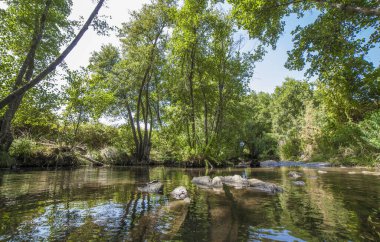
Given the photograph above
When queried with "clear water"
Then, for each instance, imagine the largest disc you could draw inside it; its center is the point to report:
(104, 205)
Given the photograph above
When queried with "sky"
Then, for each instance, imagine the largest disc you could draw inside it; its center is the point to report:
(267, 75)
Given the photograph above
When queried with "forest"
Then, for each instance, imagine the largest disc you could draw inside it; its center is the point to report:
(175, 91)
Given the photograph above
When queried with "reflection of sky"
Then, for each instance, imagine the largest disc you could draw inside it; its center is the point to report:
(58, 220)
(258, 234)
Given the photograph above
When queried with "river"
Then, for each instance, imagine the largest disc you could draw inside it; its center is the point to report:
(103, 204)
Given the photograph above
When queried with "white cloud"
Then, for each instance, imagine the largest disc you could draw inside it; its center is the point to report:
(118, 10)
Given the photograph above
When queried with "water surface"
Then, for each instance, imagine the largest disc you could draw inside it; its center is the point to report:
(104, 204)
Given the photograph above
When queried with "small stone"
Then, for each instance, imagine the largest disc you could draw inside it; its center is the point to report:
(152, 187)
(294, 174)
(322, 172)
(179, 193)
(299, 183)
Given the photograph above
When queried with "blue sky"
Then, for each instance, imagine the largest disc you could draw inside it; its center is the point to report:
(268, 74)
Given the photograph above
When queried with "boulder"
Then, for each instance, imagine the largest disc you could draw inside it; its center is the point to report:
(299, 183)
(264, 186)
(204, 181)
(235, 181)
(152, 187)
(217, 182)
(179, 193)
(294, 174)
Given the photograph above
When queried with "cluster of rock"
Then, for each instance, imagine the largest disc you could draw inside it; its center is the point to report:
(179, 193)
(296, 175)
(237, 182)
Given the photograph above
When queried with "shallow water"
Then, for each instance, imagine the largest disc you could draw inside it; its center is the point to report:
(104, 204)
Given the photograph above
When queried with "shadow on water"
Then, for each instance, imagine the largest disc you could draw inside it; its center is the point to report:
(104, 204)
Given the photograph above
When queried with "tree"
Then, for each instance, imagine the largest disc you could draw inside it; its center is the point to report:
(34, 46)
(134, 77)
(334, 47)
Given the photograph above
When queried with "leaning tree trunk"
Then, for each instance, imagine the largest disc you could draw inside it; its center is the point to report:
(24, 75)
(37, 79)
(13, 100)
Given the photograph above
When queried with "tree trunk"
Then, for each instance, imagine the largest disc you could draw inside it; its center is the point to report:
(25, 72)
(192, 105)
(132, 122)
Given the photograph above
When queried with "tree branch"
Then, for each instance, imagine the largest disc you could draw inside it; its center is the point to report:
(54, 64)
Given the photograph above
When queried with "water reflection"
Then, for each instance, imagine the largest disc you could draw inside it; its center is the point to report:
(104, 204)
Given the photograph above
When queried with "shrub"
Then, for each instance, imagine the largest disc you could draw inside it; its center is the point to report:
(370, 129)
(22, 148)
(290, 148)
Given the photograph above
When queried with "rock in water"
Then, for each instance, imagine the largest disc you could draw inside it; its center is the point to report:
(371, 173)
(179, 193)
(294, 174)
(203, 181)
(299, 183)
(217, 182)
(235, 181)
(152, 187)
(322, 172)
(264, 186)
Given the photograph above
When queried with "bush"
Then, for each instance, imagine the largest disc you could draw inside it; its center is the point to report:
(114, 156)
(370, 129)
(290, 148)
(22, 148)
(265, 147)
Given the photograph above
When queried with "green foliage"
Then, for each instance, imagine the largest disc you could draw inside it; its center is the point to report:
(290, 148)
(22, 148)
(370, 129)
(179, 86)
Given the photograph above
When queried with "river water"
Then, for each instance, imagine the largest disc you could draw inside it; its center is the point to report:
(104, 205)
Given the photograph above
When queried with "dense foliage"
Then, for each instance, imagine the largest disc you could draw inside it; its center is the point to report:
(177, 86)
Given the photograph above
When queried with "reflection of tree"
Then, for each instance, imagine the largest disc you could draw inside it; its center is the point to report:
(313, 210)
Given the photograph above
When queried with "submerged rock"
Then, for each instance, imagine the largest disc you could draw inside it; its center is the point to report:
(294, 174)
(299, 183)
(371, 173)
(179, 193)
(152, 187)
(322, 172)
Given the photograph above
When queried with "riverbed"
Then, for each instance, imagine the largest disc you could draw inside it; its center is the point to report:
(104, 204)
